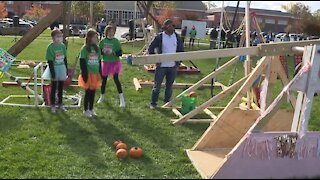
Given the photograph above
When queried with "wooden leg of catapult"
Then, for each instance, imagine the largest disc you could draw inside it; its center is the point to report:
(244, 144)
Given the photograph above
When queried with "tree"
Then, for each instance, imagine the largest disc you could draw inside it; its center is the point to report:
(163, 5)
(81, 8)
(36, 12)
(316, 14)
(3, 10)
(167, 14)
(298, 10)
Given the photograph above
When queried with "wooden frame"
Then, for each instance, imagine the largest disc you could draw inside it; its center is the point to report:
(223, 151)
(138, 84)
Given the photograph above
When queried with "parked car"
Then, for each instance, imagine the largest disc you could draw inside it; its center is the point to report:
(138, 34)
(74, 29)
(82, 33)
(9, 29)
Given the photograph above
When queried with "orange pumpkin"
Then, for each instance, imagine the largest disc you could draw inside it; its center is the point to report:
(115, 143)
(121, 146)
(136, 152)
(192, 94)
(121, 153)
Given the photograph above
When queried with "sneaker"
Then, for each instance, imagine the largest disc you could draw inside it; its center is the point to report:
(53, 109)
(63, 109)
(122, 102)
(93, 113)
(152, 107)
(101, 99)
(87, 113)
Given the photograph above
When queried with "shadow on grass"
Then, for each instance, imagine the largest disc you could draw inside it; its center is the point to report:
(83, 143)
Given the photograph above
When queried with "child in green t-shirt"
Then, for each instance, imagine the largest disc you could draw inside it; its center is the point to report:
(57, 59)
(111, 51)
(89, 79)
(193, 34)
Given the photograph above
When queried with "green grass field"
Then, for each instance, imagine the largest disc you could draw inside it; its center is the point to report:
(36, 144)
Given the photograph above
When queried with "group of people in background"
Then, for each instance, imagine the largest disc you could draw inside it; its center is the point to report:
(192, 33)
(98, 60)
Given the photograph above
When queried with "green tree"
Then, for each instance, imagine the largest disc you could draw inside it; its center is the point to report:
(298, 10)
(81, 8)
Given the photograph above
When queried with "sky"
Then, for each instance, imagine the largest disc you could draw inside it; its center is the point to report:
(271, 5)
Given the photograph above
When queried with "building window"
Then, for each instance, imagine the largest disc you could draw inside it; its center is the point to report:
(9, 2)
(124, 18)
(283, 22)
(270, 21)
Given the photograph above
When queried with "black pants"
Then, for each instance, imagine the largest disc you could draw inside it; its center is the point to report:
(191, 39)
(54, 86)
(116, 81)
(89, 99)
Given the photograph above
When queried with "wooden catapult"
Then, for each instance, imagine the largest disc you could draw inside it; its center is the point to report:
(265, 143)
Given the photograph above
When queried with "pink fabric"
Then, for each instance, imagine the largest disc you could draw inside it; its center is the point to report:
(111, 68)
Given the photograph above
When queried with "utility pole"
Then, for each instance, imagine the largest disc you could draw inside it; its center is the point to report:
(91, 13)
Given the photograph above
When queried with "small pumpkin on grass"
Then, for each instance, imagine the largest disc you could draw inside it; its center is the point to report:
(115, 143)
(121, 153)
(121, 146)
(136, 152)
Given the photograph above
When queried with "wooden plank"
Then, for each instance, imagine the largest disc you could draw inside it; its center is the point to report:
(208, 103)
(270, 49)
(208, 112)
(227, 132)
(181, 85)
(207, 162)
(229, 110)
(203, 80)
(313, 80)
(193, 55)
(283, 48)
(285, 81)
(31, 35)
(177, 112)
(136, 84)
(196, 121)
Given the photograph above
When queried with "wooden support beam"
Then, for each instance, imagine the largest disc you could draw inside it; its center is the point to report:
(273, 49)
(196, 121)
(205, 138)
(31, 35)
(209, 113)
(204, 80)
(177, 112)
(194, 55)
(205, 105)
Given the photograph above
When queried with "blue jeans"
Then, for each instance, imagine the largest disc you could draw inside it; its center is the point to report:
(170, 73)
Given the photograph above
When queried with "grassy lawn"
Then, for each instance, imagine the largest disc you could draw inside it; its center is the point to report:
(36, 144)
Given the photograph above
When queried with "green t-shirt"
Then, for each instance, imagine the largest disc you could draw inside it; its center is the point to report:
(193, 33)
(92, 59)
(56, 53)
(107, 44)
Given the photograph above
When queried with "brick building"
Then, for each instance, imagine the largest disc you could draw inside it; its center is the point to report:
(269, 20)
(122, 11)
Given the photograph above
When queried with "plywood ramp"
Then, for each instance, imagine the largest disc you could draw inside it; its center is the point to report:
(207, 162)
(281, 121)
(227, 132)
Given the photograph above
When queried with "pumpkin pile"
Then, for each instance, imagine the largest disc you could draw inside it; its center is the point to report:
(121, 150)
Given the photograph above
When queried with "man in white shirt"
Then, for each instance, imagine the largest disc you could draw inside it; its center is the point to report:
(167, 42)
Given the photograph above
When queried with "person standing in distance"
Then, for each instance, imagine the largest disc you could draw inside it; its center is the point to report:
(183, 33)
(166, 42)
(193, 34)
